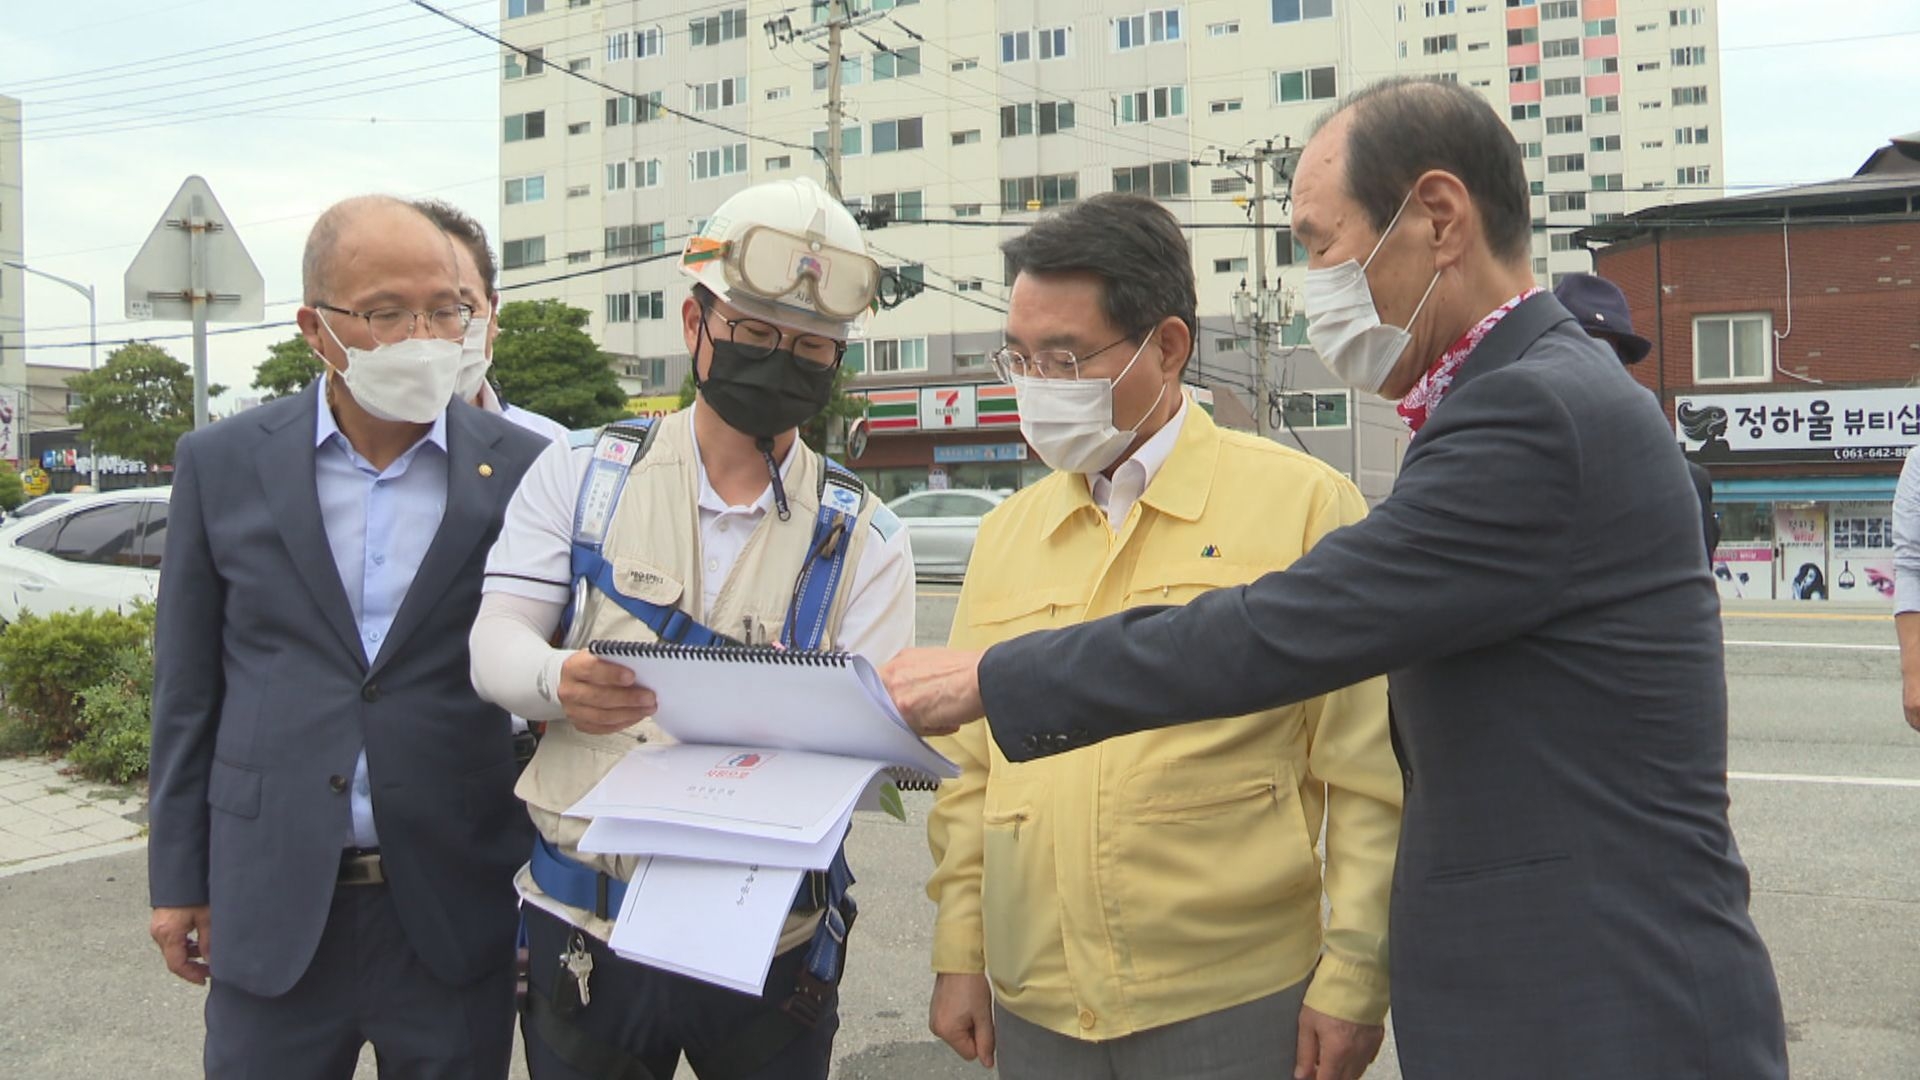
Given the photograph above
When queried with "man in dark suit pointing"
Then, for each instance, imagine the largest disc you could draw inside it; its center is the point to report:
(1568, 900)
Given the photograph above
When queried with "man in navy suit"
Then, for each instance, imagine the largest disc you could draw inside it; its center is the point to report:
(328, 794)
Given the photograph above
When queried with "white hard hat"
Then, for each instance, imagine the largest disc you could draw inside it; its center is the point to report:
(788, 252)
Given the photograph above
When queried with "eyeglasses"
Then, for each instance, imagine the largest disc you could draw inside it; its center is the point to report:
(1046, 363)
(389, 325)
(759, 339)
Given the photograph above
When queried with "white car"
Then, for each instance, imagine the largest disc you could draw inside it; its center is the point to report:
(93, 552)
(942, 525)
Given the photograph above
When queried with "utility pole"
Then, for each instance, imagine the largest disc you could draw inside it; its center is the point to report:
(1260, 306)
(780, 32)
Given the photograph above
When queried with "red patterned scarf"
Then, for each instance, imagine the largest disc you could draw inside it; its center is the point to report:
(1426, 394)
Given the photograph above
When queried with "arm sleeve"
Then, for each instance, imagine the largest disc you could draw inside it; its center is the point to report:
(954, 833)
(1469, 550)
(1906, 538)
(513, 666)
(533, 556)
(880, 612)
(188, 687)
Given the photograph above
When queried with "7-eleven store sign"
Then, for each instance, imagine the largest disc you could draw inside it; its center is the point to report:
(941, 408)
(891, 412)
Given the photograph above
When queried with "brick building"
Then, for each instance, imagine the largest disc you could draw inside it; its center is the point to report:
(1786, 331)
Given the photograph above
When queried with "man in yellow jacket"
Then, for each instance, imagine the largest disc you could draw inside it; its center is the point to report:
(1152, 907)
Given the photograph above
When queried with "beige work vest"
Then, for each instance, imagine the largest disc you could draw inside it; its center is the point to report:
(653, 543)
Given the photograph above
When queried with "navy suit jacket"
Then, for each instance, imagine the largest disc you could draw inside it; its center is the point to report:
(263, 698)
(1568, 900)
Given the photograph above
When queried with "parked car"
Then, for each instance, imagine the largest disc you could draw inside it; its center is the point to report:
(39, 505)
(98, 552)
(942, 525)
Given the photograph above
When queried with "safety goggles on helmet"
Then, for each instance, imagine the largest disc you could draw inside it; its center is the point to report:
(776, 265)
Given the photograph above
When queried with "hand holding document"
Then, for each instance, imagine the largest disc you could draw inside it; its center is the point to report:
(777, 750)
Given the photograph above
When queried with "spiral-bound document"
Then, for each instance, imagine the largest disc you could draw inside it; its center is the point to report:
(819, 702)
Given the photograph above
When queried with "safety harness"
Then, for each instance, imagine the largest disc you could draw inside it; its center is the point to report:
(618, 449)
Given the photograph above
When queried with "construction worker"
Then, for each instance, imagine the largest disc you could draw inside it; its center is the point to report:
(713, 525)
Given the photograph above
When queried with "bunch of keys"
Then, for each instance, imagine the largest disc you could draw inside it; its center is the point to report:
(572, 994)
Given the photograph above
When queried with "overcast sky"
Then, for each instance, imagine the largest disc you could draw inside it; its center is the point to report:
(285, 108)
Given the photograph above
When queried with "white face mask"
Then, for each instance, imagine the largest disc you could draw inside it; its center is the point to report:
(1344, 327)
(474, 362)
(1070, 421)
(407, 382)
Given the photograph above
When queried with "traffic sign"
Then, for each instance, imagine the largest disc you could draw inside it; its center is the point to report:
(35, 481)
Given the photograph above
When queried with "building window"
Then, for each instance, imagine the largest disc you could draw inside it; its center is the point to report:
(1313, 84)
(970, 361)
(1536, 187)
(1530, 150)
(1566, 125)
(966, 138)
(1650, 65)
(1606, 65)
(1526, 35)
(898, 64)
(1600, 144)
(648, 239)
(1600, 28)
(1436, 8)
(1732, 348)
(779, 93)
(523, 126)
(850, 69)
(905, 354)
(1689, 95)
(579, 64)
(520, 8)
(902, 205)
(966, 209)
(619, 46)
(719, 161)
(1053, 42)
(616, 176)
(1039, 192)
(1229, 105)
(1609, 181)
(1524, 73)
(892, 135)
(619, 307)
(1602, 105)
(1559, 48)
(1559, 163)
(515, 254)
(576, 258)
(524, 65)
(1016, 47)
(1693, 174)
(779, 164)
(1692, 56)
(1685, 16)
(706, 97)
(648, 43)
(1223, 29)
(1143, 106)
(1230, 266)
(1566, 87)
(714, 29)
(964, 64)
(1305, 409)
(1161, 180)
(1442, 43)
(633, 109)
(526, 189)
(649, 306)
(1695, 136)
(852, 142)
(1567, 201)
(1293, 11)
(1530, 111)
(1152, 28)
(1560, 9)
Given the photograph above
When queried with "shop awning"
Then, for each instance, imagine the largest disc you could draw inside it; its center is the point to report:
(1805, 489)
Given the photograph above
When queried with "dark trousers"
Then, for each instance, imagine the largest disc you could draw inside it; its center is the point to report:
(365, 985)
(656, 1016)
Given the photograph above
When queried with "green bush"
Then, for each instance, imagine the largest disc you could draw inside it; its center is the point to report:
(12, 491)
(115, 739)
(47, 662)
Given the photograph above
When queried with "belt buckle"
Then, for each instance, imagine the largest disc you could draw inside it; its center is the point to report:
(362, 868)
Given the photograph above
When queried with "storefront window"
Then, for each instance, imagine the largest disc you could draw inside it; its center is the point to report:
(1741, 522)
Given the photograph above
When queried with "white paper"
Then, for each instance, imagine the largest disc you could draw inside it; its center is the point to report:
(619, 836)
(825, 708)
(777, 794)
(715, 922)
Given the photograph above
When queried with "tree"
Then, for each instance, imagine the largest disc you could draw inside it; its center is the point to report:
(545, 362)
(138, 404)
(289, 367)
(12, 492)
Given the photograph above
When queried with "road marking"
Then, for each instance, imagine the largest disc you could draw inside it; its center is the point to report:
(1803, 778)
(1813, 645)
(1818, 616)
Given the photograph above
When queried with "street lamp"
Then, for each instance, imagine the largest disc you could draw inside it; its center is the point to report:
(93, 350)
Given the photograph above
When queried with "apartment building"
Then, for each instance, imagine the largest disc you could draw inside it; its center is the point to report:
(13, 284)
(963, 121)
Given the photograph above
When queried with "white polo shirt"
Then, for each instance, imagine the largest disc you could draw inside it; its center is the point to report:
(1116, 497)
(533, 556)
(532, 421)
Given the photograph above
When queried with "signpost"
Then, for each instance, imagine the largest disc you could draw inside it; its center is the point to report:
(193, 268)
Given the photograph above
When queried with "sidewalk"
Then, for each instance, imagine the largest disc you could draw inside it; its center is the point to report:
(47, 818)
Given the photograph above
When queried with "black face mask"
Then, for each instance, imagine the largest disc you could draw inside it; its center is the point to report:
(763, 396)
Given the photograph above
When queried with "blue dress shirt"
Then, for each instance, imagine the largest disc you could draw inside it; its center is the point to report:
(379, 524)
